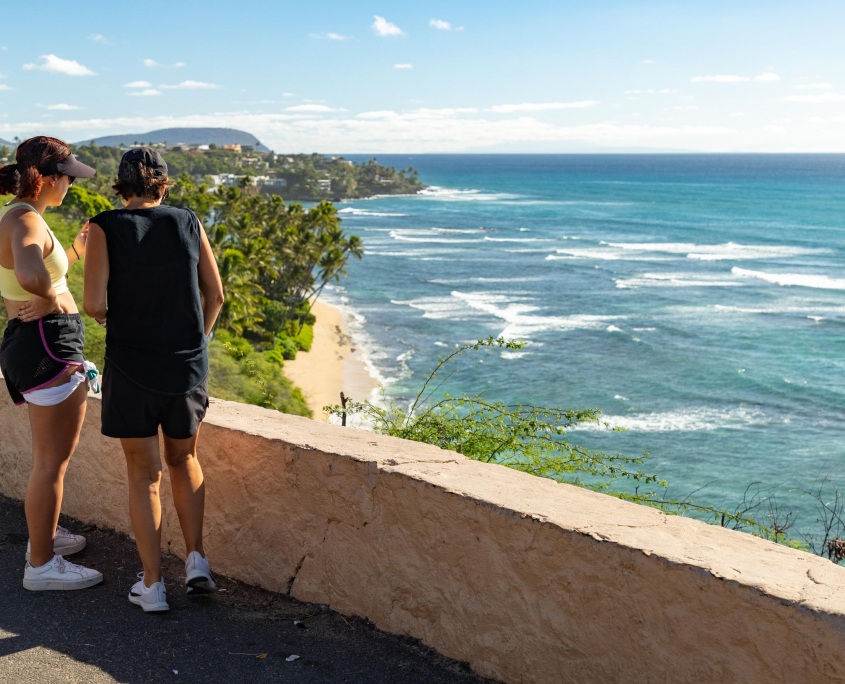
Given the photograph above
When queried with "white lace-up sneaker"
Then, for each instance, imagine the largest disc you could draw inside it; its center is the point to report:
(65, 543)
(58, 575)
(152, 599)
(198, 575)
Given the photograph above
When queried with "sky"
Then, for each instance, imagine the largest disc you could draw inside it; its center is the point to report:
(441, 77)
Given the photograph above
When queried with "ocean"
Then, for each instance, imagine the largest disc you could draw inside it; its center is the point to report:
(697, 300)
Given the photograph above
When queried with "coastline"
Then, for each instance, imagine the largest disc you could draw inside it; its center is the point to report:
(333, 365)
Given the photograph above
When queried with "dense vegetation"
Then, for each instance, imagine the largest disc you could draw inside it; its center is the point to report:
(308, 177)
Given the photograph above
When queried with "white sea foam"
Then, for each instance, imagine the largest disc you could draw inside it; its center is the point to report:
(438, 307)
(819, 282)
(676, 280)
(728, 250)
(354, 211)
(417, 235)
(519, 318)
(613, 328)
(458, 231)
(483, 279)
(661, 251)
(456, 195)
(786, 307)
(420, 254)
(690, 419)
(531, 239)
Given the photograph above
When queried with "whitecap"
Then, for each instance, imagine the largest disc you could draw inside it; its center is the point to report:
(459, 195)
(819, 282)
(690, 419)
(676, 280)
(414, 235)
(354, 211)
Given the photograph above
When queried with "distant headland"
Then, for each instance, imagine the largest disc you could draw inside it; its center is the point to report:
(226, 156)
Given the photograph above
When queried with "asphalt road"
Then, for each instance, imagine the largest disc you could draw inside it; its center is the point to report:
(243, 634)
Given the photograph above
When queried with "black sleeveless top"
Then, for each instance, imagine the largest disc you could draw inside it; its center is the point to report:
(155, 334)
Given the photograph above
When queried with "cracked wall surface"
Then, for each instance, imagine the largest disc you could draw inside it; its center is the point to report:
(526, 579)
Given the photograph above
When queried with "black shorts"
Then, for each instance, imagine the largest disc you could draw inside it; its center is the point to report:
(34, 354)
(130, 411)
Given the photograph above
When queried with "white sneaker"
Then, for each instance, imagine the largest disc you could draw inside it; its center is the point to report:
(65, 543)
(152, 599)
(198, 574)
(58, 575)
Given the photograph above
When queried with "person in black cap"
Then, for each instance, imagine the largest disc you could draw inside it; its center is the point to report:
(151, 278)
(41, 354)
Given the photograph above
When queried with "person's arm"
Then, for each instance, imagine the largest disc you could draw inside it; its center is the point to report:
(29, 238)
(96, 274)
(211, 287)
(76, 251)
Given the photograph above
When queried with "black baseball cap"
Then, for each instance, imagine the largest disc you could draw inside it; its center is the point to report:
(148, 157)
(69, 166)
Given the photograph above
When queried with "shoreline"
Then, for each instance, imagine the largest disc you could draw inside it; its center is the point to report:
(334, 364)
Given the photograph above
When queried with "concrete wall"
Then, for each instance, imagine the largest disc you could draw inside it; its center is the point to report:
(528, 580)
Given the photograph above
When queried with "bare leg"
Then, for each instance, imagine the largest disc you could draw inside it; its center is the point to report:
(186, 481)
(143, 466)
(55, 434)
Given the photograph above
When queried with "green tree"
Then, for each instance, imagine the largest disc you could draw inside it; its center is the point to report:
(81, 204)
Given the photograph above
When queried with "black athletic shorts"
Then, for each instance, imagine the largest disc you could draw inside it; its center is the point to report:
(131, 411)
(34, 354)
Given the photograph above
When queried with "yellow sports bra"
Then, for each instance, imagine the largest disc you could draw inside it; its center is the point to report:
(56, 263)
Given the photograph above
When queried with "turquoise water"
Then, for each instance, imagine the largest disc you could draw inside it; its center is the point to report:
(697, 300)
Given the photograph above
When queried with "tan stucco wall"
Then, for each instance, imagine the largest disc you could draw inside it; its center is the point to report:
(528, 580)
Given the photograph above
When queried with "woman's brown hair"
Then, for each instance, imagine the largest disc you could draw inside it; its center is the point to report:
(33, 157)
(135, 179)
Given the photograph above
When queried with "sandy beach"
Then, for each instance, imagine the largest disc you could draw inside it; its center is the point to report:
(332, 366)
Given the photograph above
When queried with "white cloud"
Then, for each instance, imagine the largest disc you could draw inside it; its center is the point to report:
(312, 108)
(401, 132)
(651, 91)
(329, 36)
(816, 99)
(403, 66)
(57, 65)
(422, 113)
(3, 86)
(541, 106)
(145, 93)
(191, 85)
(98, 38)
(63, 107)
(440, 24)
(766, 76)
(138, 84)
(384, 28)
(814, 86)
(686, 108)
(152, 64)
